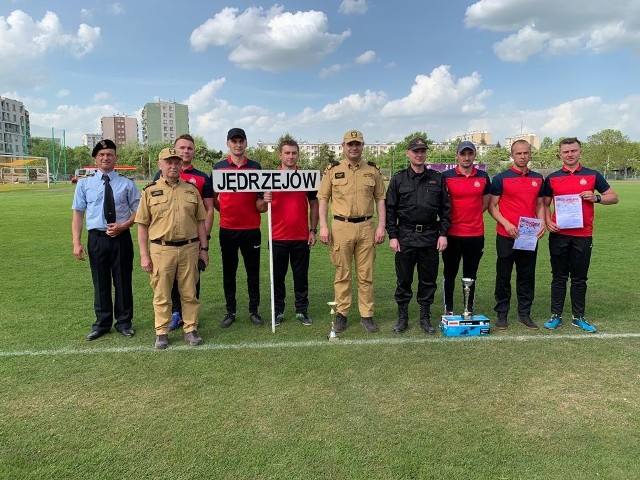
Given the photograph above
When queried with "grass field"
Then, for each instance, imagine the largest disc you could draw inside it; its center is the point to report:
(252, 404)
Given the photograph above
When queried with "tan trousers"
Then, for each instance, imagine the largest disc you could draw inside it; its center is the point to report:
(353, 242)
(169, 263)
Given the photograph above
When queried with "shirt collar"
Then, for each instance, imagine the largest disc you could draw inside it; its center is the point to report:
(522, 174)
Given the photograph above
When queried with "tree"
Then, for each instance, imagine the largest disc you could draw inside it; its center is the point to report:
(497, 160)
(606, 150)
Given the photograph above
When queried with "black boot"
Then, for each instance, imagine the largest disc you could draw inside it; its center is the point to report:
(403, 318)
(425, 320)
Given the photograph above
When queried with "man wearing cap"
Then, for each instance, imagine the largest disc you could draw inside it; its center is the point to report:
(516, 193)
(418, 212)
(469, 192)
(110, 202)
(185, 146)
(354, 187)
(239, 230)
(172, 238)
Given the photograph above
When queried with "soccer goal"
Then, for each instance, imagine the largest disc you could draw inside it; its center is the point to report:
(15, 169)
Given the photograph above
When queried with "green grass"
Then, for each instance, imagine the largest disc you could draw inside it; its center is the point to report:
(252, 404)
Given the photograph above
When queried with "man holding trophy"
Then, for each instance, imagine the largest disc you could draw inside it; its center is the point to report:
(418, 212)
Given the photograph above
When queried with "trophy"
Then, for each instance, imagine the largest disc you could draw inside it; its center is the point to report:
(466, 324)
(467, 283)
(332, 334)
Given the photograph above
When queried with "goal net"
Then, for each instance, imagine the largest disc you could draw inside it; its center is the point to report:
(24, 169)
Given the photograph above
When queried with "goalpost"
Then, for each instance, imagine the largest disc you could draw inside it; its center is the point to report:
(16, 169)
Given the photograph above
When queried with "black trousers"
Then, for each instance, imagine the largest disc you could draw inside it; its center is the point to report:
(426, 260)
(297, 253)
(470, 251)
(176, 305)
(570, 257)
(248, 242)
(111, 261)
(525, 262)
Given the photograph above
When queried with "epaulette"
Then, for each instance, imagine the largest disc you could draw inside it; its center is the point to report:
(332, 164)
(373, 165)
(149, 185)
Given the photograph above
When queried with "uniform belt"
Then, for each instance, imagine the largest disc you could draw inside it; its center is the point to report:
(351, 219)
(419, 228)
(174, 244)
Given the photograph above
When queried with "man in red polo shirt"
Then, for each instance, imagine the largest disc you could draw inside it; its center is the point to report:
(185, 145)
(469, 191)
(516, 193)
(239, 230)
(570, 248)
(294, 222)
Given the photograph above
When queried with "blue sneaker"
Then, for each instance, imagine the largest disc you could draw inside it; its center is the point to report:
(580, 322)
(304, 318)
(176, 321)
(554, 322)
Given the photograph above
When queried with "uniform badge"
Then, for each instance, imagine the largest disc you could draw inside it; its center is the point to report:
(157, 193)
(534, 183)
(476, 184)
(583, 182)
(192, 181)
(339, 175)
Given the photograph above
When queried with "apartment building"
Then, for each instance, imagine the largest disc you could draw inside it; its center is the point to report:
(14, 127)
(163, 122)
(120, 128)
(532, 138)
(91, 139)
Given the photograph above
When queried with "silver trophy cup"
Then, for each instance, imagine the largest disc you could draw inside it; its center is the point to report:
(332, 334)
(467, 283)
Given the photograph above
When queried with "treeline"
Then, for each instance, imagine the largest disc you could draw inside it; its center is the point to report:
(609, 151)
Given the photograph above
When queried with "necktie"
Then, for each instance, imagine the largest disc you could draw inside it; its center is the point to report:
(109, 205)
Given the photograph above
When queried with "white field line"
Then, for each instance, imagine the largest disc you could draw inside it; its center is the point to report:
(179, 346)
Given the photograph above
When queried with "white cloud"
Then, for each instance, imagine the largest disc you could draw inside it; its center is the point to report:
(548, 27)
(116, 8)
(367, 57)
(76, 120)
(331, 70)
(63, 93)
(271, 40)
(204, 98)
(100, 96)
(29, 102)
(24, 39)
(440, 92)
(353, 7)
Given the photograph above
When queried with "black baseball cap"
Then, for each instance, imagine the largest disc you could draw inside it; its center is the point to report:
(236, 132)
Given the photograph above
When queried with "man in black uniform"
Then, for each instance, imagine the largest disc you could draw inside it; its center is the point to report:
(418, 217)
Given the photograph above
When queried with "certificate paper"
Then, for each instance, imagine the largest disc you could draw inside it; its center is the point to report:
(568, 211)
(528, 229)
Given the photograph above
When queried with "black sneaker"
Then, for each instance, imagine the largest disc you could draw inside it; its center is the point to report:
(279, 318)
(501, 323)
(527, 322)
(228, 319)
(340, 324)
(369, 326)
(304, 318)
(256, 319)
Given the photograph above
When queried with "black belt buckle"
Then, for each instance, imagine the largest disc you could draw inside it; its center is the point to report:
(419, 228)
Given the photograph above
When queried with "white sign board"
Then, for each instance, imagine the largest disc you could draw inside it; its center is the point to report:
(265, 180)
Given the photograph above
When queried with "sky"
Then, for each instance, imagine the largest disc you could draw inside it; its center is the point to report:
(315, 69)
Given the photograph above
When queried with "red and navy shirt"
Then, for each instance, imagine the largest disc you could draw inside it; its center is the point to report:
(238, 209)
(466, 194)
(565, 182)
(519, 193)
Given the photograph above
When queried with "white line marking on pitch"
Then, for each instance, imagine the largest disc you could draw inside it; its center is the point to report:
(317, 343)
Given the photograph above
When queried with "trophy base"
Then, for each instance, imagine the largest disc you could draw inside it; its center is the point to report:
(458, 326)
(333, 336)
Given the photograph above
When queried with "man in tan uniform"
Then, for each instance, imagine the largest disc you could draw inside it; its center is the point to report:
(354, 186)
(171, 216)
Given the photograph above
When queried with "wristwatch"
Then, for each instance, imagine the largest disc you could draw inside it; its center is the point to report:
(313, 230)
(598, 198)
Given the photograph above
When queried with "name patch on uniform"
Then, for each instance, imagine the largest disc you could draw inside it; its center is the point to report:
(157, 193)
(339, 175)
(369, 175)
